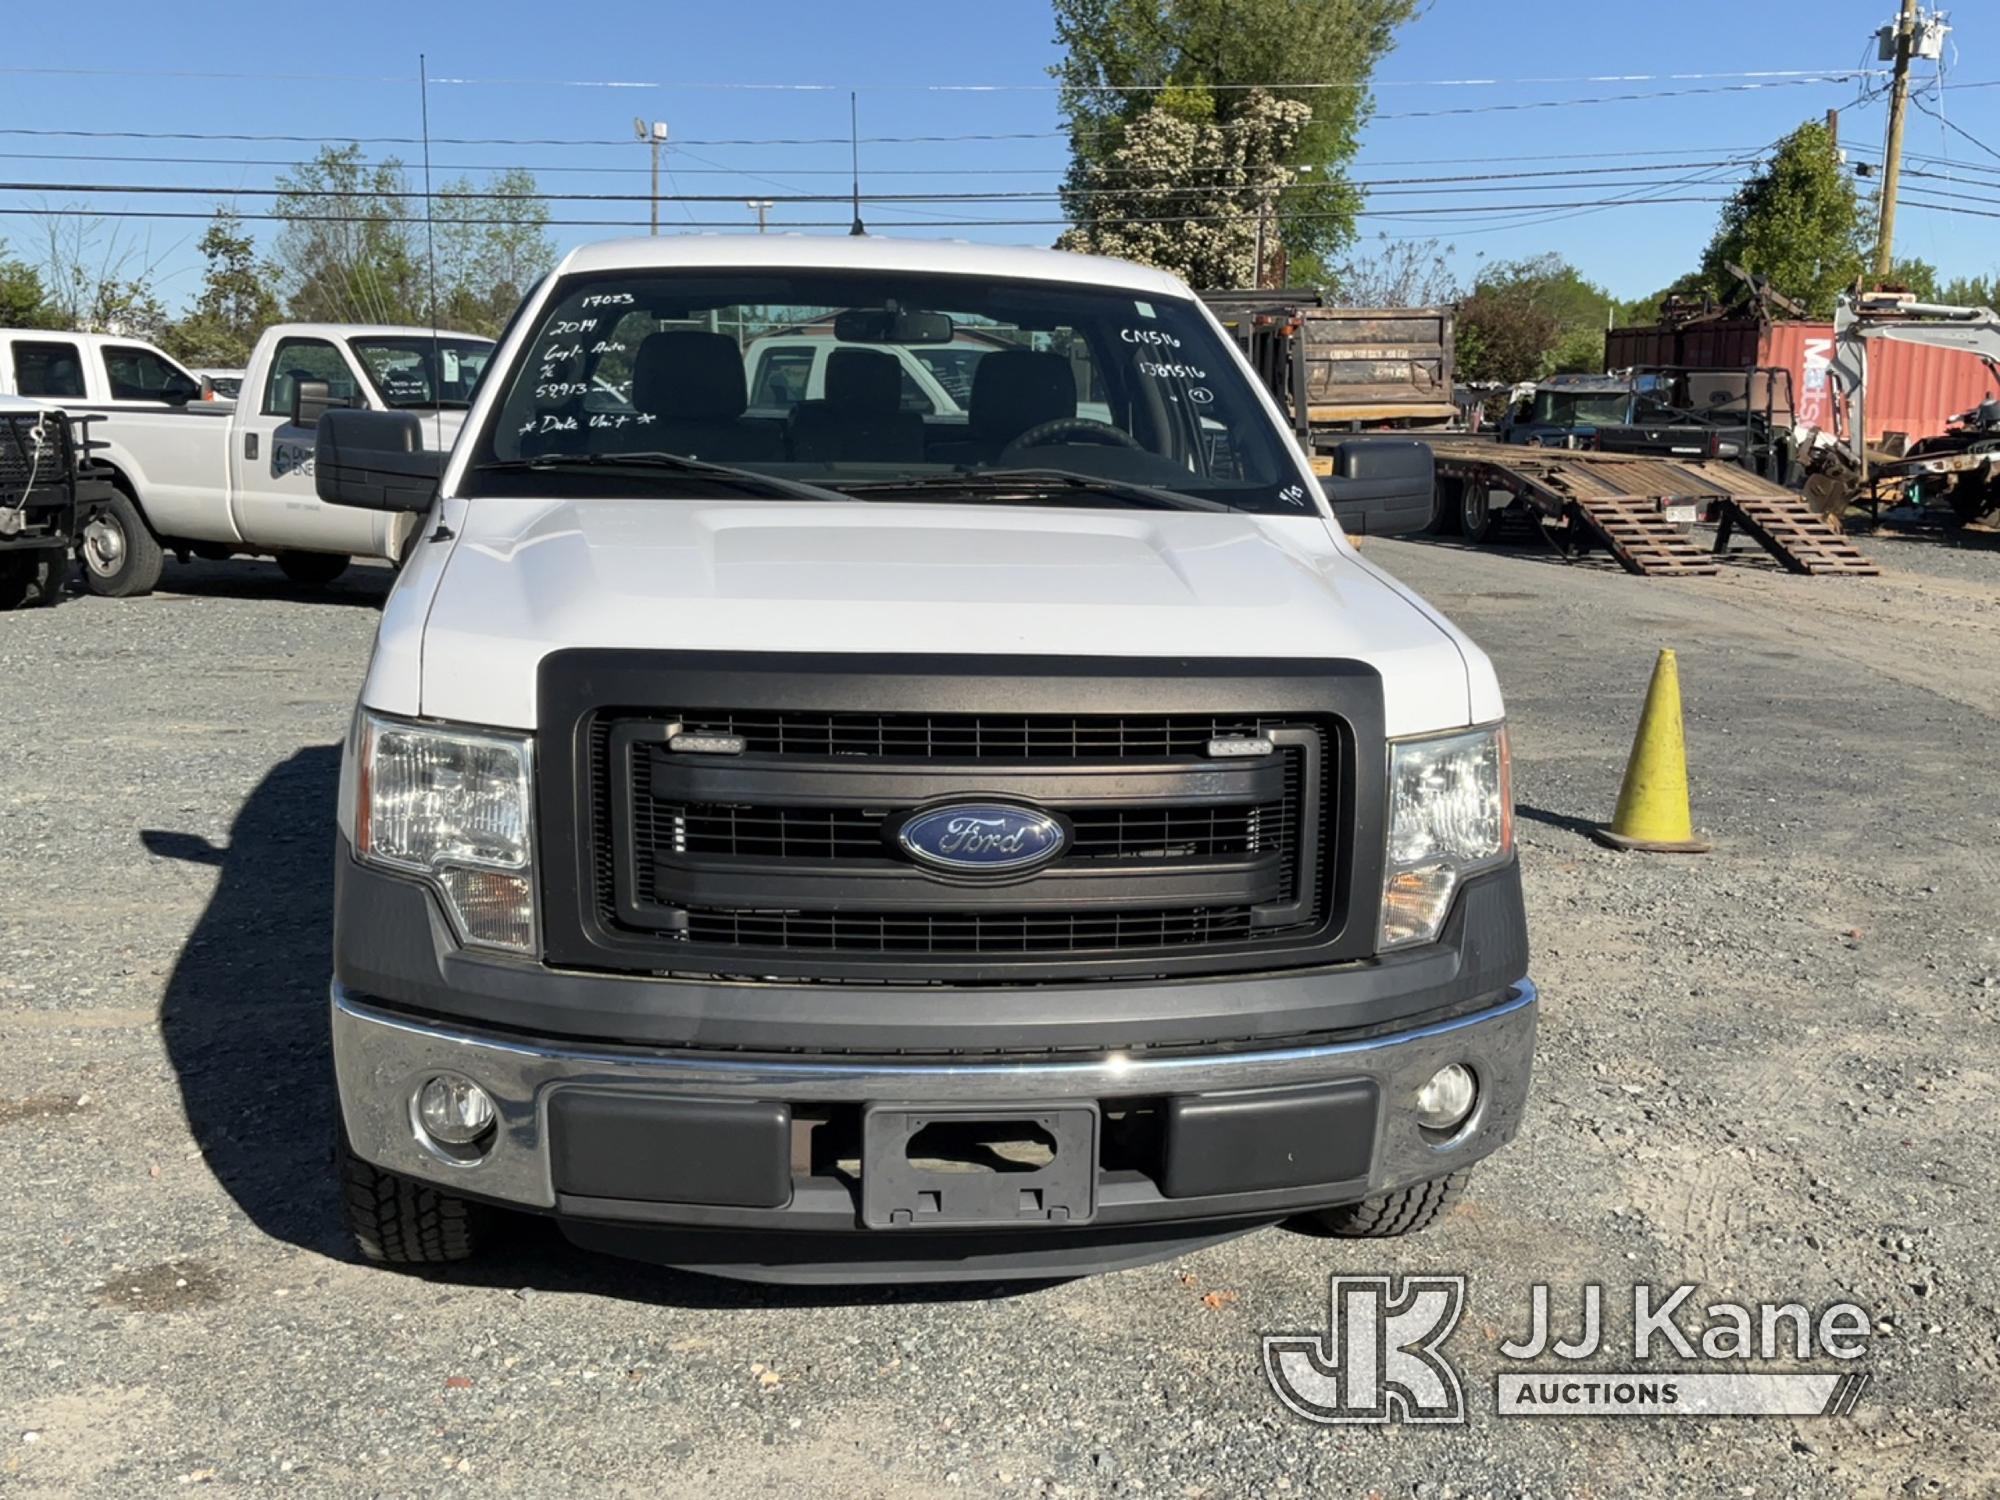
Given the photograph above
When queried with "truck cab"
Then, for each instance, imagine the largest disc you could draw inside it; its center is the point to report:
(853, 844)
(92, 372)
(1645, 413)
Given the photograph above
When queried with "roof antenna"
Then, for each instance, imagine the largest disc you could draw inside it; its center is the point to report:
(430, 252)
(854, 141)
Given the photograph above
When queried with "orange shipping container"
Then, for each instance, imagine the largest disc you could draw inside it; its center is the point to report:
(1911, 389)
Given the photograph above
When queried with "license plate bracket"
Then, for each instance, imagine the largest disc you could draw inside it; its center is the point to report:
(927, 1166)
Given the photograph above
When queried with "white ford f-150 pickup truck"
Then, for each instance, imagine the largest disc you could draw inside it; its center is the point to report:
(856, 843)
(213, 479)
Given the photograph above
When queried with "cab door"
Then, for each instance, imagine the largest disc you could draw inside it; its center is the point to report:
(271, 458)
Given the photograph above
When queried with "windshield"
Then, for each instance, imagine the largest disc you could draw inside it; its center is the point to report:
(1580, 408)
(405, 368)
(883, 385)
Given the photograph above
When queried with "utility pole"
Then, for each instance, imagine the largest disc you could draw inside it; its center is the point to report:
(761, 206)
(1263, 213)
(1892, 152)
(655, 135)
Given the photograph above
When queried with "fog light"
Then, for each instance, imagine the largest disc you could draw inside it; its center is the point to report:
(1447, 1097)
(454, 1111)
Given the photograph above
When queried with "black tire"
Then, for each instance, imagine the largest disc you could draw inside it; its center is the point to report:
(121, 557)
(397, 1221)
(1444, 509)
(312, 570)
(1972, 498)
(1477, 518)
(1404, 1211)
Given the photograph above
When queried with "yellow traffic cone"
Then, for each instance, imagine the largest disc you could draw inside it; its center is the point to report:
(1653, 803)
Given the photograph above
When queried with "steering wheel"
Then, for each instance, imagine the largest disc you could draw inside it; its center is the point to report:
(1070, 428)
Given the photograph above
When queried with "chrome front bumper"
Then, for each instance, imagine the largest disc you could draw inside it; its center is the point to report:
(381, 1058)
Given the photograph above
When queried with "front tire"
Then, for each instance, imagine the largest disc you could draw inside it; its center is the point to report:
(397, 1221)
(121, 556)
(312, 570)
(1405, 1211)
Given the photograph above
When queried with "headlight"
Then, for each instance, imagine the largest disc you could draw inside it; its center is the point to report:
(453, 805)
(1451, 812)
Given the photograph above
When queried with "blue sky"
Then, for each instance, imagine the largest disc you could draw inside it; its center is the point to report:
(350, 71)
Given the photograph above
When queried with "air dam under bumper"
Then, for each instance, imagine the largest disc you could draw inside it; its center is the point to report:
(805, 1226)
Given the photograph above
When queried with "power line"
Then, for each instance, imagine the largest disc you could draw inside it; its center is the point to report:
(1512, 208)
(720, 85)
(1842, 76)
(1953, 125)
(716, 169)
(1387, 187)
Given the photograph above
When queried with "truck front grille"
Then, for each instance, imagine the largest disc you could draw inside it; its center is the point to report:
(791, 864)
(778, 860)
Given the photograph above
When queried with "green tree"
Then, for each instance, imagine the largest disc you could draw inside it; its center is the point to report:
(1798, 221)
(355, 247)
(235, 304)
(1525, 319)
(1119, 54)
(1182, 193)
(1398, 273)
(1918, 276)
(345, 253)
(1970, 291)
(24, 302)
(490, 248)
(94, 279)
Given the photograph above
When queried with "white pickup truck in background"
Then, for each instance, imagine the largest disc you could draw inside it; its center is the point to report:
(215, 480)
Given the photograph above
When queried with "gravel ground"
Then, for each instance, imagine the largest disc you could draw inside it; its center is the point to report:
(1770, 1070)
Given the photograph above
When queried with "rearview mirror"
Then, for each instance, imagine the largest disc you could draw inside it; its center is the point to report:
(870, 325)
(312, 399)
(375, 460)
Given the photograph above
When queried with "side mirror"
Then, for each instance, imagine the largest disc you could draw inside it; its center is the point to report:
(374, 460)
(1382, 486)
(179, 390)
(311, 400)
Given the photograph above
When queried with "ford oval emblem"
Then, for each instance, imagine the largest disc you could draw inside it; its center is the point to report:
(981, 837)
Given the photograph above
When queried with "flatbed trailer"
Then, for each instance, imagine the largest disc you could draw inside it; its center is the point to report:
(1635, 507)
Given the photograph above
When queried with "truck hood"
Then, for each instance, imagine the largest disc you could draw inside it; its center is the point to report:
(527, 577)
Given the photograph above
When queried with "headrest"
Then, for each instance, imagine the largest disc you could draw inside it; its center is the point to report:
(1015, 389)
(688, 375)
(864, 381)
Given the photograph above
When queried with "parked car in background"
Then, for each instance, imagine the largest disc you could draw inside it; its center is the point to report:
(216, 479)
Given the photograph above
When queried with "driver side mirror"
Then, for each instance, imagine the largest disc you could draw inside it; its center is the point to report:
(1382, 486)
(375, 460)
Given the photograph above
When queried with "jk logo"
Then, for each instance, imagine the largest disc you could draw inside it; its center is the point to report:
(1379, 1360)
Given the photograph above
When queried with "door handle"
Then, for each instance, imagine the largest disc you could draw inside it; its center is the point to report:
(250, 445)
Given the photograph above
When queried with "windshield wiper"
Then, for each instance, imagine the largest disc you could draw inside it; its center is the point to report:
(1043, 483)
(660, 463)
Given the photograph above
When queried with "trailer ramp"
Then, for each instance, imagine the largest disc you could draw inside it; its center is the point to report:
(1621, 502)
(1798, 536)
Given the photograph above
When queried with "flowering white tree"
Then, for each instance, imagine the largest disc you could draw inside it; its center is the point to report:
(1183, 192)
